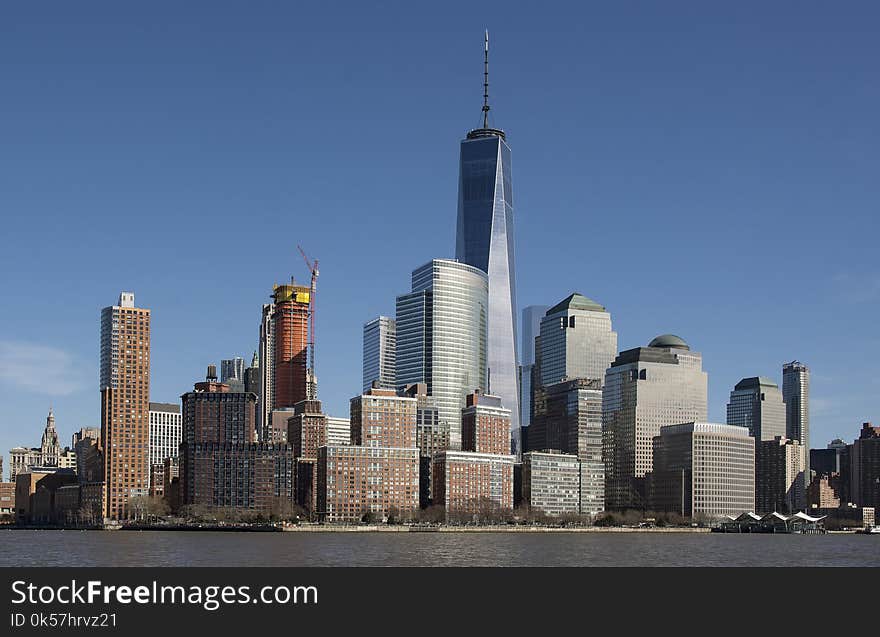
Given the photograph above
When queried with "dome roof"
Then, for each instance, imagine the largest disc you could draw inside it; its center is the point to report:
(669, 341)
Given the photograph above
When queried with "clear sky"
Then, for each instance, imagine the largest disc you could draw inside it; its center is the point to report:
(710, 171)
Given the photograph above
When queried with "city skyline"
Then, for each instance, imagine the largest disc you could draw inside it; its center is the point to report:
(182, 344)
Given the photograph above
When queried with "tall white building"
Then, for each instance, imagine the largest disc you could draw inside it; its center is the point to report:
(166, 431)
(576, 341)
(756, 403)
(441, 337)
(338, 431)
(380, 352)
(645, 389)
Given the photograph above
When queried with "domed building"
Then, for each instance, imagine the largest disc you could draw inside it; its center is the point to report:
(646, 388)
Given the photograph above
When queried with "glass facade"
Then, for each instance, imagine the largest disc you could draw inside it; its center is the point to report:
(441, 337)
(380, 352)
(756, 403)
(484, 239)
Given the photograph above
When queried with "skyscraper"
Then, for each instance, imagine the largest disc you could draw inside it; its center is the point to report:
(441, 337)
(380, 352)
(290, 320)
(796, 394)
(576, 341)
(756, 403)
(646, 388)
(531, 327)
(779, 475)
(232, 368)
(484, 239)
(125, 403)
(266, 357)
(166, 432)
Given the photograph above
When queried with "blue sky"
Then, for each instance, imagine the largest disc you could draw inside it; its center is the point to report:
(710, 171)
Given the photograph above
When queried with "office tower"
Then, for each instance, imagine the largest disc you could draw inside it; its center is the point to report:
(796, 394)
(779, 476)
(441, 337)
(576, 341)
(485, 425)
(125, 403)
(865, 467)
(467, 483)
(703, 470)
(378, 473)
(484, 239)
(646, 388)
(551, 482)
(380, 352)
(290, 320)
(568, 418)
(756, 403)
(232, 368)
(531, 327)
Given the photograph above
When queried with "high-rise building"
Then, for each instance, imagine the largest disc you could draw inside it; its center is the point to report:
(865, 467)
(703, 469)
(166, 431)
(430, 436)
(441, 337)
(551, 482)
(252, 377)
(378, 473)
(530, 328)
(466, 483)
(380, 352)
(267, 371)
(756, 403)
(212, 413)
(576, 341)
(290, 320)
(568, 418)
(779, 476)
(484, 239)
(232, 368)
(125, 403)
(646, 388)
(485, 425)
(796, 394)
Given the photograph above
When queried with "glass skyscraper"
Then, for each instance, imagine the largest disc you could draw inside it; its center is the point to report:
(441, 337)
(484, 239)
(796, 394)
(380, 352)
(531, 327)
(756, 403)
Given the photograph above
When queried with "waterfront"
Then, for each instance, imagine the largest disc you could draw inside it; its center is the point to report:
(152, 548)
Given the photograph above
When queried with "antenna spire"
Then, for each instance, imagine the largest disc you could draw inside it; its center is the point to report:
(486, 83)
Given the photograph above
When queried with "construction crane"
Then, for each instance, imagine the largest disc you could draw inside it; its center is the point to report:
(313, 288)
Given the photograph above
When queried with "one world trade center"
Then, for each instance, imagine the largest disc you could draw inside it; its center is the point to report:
(484, 239)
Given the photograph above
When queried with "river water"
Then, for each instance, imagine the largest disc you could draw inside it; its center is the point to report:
(170, 548)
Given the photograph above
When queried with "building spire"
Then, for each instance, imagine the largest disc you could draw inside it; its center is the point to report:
(486, 82)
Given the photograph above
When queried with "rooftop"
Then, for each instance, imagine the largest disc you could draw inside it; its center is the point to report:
(576, 302)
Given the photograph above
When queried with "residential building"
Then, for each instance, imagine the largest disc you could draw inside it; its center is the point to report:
(338, 431)
(703, 470)
(380, 353)
(441, 337)
(823, 492)
(290, 319)
(467, 483)
(551, 482)
(485, 425)
(125, 403)
(7, 499)
(645, 389)
(756, 403)
(779, 476)
(166, 431)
